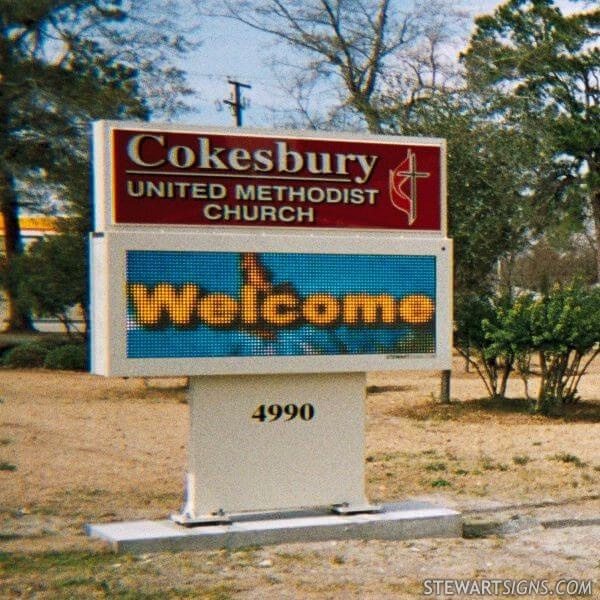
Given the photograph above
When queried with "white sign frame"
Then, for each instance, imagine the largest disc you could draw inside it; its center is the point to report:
(109, 302)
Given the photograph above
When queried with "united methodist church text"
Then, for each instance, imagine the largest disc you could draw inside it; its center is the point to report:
(225, 180)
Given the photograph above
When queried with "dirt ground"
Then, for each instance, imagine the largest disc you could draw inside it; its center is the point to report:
(76, 449)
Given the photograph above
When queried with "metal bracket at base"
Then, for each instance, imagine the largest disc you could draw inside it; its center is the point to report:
(352, 509)
(220, 517)
(185, 519)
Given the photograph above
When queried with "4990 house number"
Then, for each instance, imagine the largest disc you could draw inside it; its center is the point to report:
(286, 412)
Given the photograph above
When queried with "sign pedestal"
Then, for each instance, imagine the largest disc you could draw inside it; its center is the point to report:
(304, 446)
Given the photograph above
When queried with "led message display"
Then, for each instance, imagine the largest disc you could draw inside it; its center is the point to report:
(183, 304)
(165, 176)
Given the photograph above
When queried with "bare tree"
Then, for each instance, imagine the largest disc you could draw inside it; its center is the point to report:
(148, 36)
(429, 65)
(355, 41)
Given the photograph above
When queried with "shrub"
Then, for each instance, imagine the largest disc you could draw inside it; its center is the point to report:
(437, 466)
(565, 327)
(25, 356)
(50, 342)
(440, 483)
(70, 357)
(565, 457)
(562, 329)
(491, 334)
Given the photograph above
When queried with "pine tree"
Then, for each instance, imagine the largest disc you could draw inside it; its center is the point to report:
(63, 64)
(547, 67)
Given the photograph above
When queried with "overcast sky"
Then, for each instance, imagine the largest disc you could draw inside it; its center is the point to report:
(230, 49)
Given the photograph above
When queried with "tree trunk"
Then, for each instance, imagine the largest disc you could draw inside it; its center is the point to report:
(595, 200)
(19, 317)
(506, 371)
(445, 387)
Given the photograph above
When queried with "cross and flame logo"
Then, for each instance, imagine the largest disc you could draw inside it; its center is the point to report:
(404, 176)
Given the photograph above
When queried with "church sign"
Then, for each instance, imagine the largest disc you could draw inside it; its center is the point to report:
(183, 176)
(274, 269)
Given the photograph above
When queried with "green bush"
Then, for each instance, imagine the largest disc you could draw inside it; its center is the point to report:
(26, 356)
(50, 342)
(561, 329)
(492, 333)
(69, 357)
(565, 330)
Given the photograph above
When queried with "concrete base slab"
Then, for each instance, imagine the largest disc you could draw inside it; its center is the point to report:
(401, 521)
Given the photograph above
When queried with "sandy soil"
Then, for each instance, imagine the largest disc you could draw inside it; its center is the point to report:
(76, 449)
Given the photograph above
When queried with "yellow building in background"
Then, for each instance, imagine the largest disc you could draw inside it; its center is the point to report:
(32, 228)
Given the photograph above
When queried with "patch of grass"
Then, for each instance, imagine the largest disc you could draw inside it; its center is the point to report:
(475, 530)
(243, 556)
(85, 575)
(338, 559)
(436, 466)
(485, 409)
(440, 483)
(488, 465)
(380, 389)
(462, 472)
(5, 441)
(521, 459)
(220, 592)
(118, 590)
(94, 492)
(6, 466)
(40, 563)
(567, 458)
(382, 457)
(295, 557)
(74, 581)
(597, 468)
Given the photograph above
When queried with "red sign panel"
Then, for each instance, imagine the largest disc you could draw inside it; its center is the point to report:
(206, 178)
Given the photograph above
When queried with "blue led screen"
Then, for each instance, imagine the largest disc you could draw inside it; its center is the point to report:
(227, 304)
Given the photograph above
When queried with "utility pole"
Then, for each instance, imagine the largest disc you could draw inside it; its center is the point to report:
(237, 103)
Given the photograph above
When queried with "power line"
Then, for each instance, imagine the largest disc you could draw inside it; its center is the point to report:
(216, 75)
